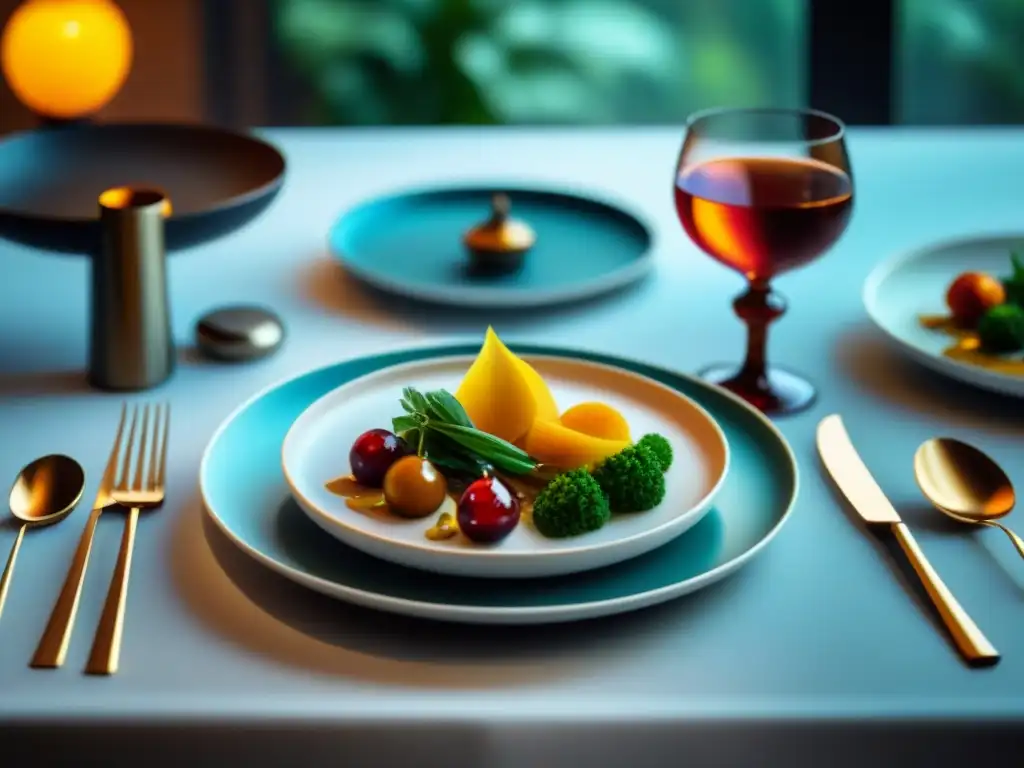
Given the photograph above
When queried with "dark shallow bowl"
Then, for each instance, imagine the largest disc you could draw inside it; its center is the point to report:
(50, 179)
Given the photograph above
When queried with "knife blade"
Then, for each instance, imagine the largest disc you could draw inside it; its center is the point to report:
(53, 645)
(853, 478)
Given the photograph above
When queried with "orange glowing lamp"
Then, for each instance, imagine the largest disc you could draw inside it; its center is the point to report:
(66, 59)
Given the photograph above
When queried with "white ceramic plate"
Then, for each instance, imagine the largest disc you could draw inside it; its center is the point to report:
(316, 450)
(898, 291)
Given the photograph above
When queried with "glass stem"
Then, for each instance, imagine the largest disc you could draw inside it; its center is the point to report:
(758, 308)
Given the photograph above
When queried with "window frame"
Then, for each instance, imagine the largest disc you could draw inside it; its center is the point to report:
(851, 59)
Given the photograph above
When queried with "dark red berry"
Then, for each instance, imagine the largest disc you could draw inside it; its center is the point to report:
(372, 455)
(488, 511)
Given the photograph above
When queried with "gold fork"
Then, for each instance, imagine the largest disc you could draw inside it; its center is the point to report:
(53, 645)
(144, 490)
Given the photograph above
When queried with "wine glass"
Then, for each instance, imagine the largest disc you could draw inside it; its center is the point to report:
(763, 191)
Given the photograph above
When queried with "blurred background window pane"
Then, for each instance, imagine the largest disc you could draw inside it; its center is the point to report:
(372, 62)
(960, 62)
(422, 62)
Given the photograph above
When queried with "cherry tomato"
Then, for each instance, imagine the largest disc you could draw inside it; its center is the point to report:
(372, 455)
(488, 511)
(973, 294)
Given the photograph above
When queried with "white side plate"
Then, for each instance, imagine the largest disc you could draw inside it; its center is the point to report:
(898, 291)
(316, 450)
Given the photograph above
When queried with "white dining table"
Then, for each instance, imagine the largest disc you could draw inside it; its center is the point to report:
(819, 652)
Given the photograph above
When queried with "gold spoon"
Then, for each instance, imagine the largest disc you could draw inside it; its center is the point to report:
(45, 492)
(965, 484)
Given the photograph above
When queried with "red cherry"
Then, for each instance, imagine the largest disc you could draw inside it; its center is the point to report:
(488, 511)
(372, 455)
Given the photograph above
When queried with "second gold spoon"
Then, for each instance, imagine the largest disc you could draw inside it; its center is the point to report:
(965, 484)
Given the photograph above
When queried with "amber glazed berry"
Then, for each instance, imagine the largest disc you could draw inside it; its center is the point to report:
(973, 294)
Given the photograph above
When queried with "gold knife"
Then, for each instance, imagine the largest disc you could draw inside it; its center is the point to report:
(53, 645)
(855, 481)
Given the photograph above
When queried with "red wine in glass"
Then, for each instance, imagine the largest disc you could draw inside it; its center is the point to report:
(763, 192)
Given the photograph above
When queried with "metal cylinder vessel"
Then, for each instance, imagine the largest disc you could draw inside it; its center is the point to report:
(131, 341)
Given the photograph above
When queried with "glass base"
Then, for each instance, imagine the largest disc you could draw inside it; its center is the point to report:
(776, 394)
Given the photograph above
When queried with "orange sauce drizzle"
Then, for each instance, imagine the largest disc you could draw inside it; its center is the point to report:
(967, 348)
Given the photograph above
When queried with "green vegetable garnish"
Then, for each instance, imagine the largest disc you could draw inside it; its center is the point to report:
(632, 479)
(660, 447)
(1001, 329)
(571, 504)
(579, 501)
(437, 425)
(1014, 284)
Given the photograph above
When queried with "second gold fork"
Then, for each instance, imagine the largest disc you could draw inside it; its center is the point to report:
(140, 485)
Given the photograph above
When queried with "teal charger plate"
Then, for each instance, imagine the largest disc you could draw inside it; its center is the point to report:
(244, 492)
(410, 244)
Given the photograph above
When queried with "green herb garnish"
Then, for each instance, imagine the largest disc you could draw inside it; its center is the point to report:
(1001, 329)
(437, 424)
(1014, 284)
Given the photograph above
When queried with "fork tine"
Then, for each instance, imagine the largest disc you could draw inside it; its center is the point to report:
(126, 462)
(162, 471)
(140, 465)
(154, 448)
(110, 472)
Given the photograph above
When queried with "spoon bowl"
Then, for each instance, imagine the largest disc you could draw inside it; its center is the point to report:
(965, 484)
(45, 492)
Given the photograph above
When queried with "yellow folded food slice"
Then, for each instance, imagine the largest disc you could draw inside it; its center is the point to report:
(550, 442)
(544, 401)
(498, 392)
(597, 420)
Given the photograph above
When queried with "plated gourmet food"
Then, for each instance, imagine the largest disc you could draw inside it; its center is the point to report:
(499, 453)
(986, 318)
(262, 484)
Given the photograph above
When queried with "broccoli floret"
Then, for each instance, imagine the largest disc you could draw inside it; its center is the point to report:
(1001, 329)
(660, 447)
(569, 505)
(631, 479)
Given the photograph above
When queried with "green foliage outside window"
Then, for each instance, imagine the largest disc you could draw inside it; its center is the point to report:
(421, 62)
(961, 61)
(539, 61)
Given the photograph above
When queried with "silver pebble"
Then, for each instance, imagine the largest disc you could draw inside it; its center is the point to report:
(239, 334)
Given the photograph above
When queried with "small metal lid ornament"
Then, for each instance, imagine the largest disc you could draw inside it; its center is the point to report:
(239, 334)
(500, 243)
